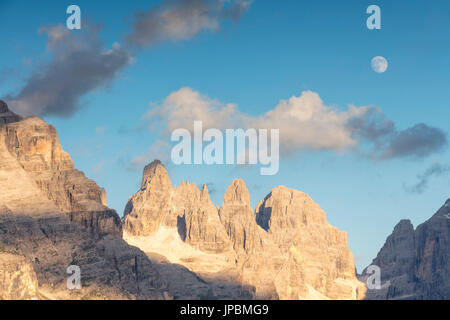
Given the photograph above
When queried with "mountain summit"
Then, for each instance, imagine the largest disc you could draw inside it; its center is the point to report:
(416, 263)
(52, 217)
(285, 249)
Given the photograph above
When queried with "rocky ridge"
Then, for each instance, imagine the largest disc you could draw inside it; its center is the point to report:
(415, 264)
(284, 250)
(52, 216)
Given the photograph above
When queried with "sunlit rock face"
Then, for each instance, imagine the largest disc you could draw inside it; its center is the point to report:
(415, 264)
(285, 249)
(52, 216)
(319, 252)
(32, 146)
(185, 207)
(17, 278)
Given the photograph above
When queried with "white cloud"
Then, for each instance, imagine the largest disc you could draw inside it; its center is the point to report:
(304, 123)
(181, 108)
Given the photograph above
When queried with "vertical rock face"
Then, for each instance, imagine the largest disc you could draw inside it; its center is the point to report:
(397, 255)
(35, 146)
(146, 210)
(203, 229)
(317, 252)
(287, 250)
(238, 219)
(17, 278)
(432, 256)
(110, 268)
(52, 216)
(415, 264)
(184, 207)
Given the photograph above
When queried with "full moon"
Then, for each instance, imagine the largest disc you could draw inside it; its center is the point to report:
(379, 64)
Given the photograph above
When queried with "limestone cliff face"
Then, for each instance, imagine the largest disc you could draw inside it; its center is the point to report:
(238, 219)
(35, 146)
(184, 207)
(110, 268)
(51, 217)
(415, 264)
(203, 229)
(17, 278)
(146, 210)
(286, 250)
(319, 252)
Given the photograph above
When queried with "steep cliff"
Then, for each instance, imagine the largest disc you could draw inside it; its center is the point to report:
(52, 216)
(17, 278)
(185, 207)
(35, 146)
(286, 250)
(415, 264)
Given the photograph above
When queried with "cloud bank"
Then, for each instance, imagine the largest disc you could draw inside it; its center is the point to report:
(305, 123)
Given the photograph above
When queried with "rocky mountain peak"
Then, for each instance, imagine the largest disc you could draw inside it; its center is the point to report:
(204, 194)
(30, 148)
(404, 226)
(415, 263)
(237, 193)
(156, 174)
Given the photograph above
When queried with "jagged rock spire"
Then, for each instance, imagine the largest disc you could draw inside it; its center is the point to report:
(237, 192)
(155, 173)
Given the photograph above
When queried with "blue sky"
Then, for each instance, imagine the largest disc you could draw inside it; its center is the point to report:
(275, 51)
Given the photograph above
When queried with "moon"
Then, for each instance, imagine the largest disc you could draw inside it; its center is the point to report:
(379, 64)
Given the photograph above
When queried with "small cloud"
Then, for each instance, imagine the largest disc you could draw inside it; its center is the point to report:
(176, 20)
(435, 171)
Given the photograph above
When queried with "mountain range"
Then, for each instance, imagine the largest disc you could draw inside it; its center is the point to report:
(174, 243)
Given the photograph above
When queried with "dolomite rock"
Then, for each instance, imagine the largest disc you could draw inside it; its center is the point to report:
(200, 225)
(317, 253)
(238, 219)
(184, 207)
(146, 210)
(17, 278)
(103, 197)
(51, 216)
(110, 268)
(415, 264)
(287, 250)
(35, 146)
